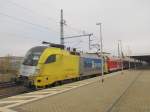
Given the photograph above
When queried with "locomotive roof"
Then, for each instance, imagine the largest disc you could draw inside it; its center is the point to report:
(89, 55)
(54, 45)
(38, 48)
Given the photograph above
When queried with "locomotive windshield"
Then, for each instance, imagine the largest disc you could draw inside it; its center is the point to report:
(33, 55)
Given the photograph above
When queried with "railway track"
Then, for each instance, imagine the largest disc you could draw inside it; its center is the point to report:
(13, 90)
(8, 89)
(7, 84)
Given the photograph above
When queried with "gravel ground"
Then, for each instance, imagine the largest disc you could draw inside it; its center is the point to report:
(11, 91)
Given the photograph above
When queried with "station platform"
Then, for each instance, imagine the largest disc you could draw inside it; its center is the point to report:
(120, 92)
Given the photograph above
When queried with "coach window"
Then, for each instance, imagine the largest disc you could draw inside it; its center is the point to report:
(50, 59)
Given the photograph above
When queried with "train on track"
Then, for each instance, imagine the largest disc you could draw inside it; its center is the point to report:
(46, 65)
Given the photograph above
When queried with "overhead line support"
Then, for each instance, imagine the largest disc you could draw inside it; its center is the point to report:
(76, 36)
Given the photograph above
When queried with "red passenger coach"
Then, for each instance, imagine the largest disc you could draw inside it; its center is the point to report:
(113, 64)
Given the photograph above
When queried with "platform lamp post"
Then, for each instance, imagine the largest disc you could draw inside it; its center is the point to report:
(129, 55)
(121, 55)
(101, 48)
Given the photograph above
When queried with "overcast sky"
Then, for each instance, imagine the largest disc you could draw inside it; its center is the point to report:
(25, 23)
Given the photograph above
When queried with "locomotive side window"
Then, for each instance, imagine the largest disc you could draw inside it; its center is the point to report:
(50, 59)
(33, 55)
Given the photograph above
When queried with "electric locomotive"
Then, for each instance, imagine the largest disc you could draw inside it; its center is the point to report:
(45, 65)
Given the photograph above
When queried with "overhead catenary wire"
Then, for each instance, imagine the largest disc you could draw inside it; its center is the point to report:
(32, 11)
(27, 22)
(34, 24)
(75, 29)
(22, 34)
(48, 18)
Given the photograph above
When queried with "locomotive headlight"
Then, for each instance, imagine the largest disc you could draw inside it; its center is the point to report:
(37, 71)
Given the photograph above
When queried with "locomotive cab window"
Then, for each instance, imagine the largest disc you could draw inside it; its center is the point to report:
(50, 59)
(33, 55)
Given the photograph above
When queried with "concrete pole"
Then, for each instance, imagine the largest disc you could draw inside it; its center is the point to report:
(101, 47)
(90, 41)
(121, 56)
(61, 28)
(129, 53)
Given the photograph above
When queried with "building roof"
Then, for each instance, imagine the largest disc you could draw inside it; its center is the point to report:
(142, 58)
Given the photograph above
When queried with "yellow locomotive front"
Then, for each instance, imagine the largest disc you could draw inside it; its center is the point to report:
(43, 66)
